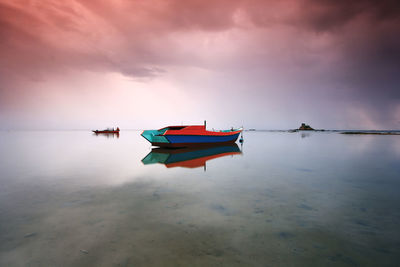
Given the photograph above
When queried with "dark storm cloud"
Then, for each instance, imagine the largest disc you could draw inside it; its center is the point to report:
(370, 42)
(368, 36)
(328, 15)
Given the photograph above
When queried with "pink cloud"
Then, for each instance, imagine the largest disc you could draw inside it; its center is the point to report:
(327, 51)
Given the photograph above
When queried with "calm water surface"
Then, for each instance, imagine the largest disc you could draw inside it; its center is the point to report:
(289, 199)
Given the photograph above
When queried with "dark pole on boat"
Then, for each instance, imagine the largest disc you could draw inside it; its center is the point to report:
(241, 141)
(205, 124)
(241, 137)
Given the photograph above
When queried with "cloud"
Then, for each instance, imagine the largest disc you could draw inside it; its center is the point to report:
(345, 51)
(138, 37)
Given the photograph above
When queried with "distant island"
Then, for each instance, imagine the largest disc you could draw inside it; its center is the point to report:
(305, 127)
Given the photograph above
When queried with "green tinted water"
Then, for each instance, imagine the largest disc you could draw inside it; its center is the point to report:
(290, 199)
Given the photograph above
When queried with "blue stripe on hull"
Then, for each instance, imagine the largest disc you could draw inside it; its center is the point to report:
(177, 139)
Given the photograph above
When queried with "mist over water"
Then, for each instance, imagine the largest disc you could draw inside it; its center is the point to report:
(70, 198)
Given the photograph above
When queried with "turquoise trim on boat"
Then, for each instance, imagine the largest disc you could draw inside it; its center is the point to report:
(228, 131)
(155, 136)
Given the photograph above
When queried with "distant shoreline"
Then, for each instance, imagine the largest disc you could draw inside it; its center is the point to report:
(348, 132)
(375, 133)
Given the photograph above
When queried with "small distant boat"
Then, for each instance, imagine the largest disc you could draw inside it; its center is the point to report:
(189, 136)
(108, 130)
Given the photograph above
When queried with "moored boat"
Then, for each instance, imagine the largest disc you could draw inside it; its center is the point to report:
(189, 136)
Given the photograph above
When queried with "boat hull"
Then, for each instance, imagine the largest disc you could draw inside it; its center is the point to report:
(185, 139)
(189, 136)
(199, 144)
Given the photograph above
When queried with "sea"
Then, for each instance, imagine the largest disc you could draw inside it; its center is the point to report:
(73, 198)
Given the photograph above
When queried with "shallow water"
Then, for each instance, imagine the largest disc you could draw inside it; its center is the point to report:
(70, 198)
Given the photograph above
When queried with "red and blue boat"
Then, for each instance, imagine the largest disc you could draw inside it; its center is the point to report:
(189, 136)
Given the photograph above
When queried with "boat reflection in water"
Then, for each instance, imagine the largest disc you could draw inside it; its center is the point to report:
(189, 157)
(108, 135)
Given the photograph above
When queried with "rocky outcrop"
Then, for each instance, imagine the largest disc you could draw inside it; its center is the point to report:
(305, 127)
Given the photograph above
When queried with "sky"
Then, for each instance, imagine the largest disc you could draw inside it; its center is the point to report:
(143, 64)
